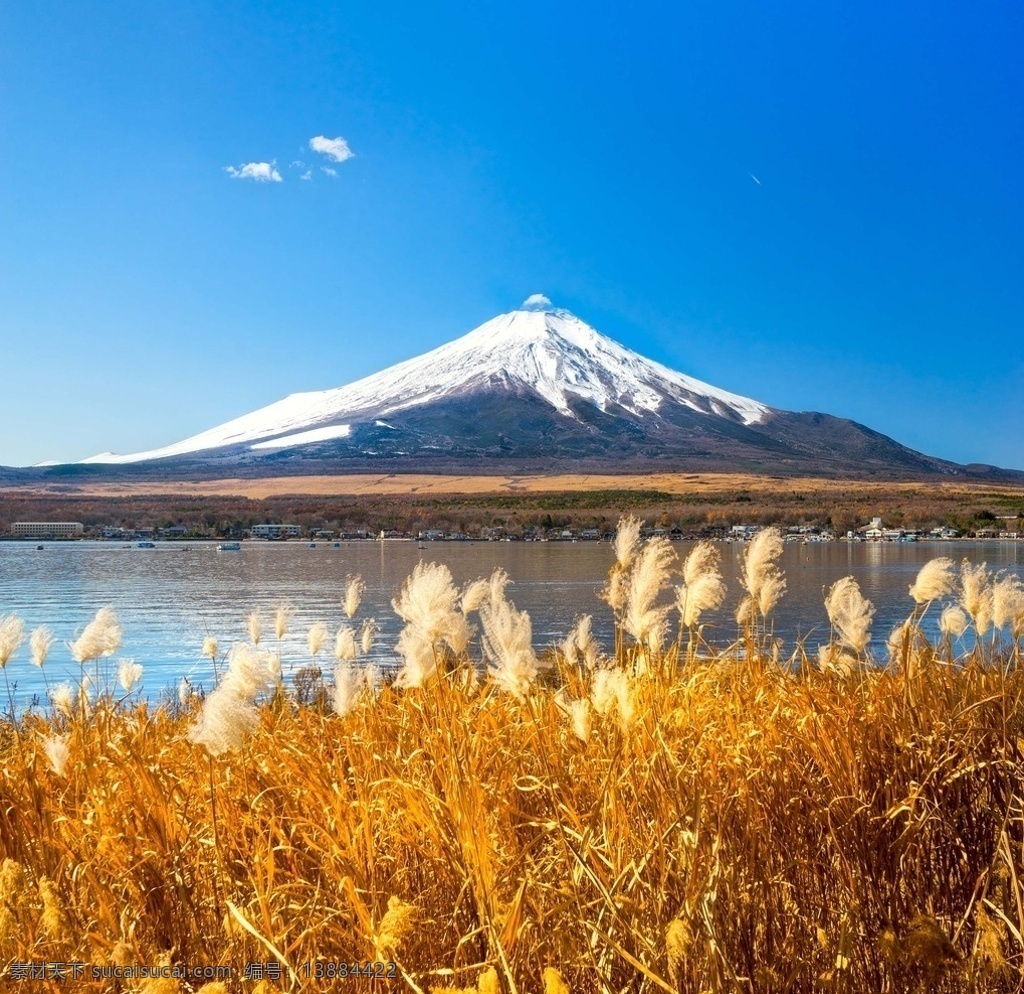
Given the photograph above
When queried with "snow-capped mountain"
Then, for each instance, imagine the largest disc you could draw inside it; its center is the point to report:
(538, 347)
(540, 385)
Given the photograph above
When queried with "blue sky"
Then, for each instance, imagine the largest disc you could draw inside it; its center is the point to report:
(601, 154)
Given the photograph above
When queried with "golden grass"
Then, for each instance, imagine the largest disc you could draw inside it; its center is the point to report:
(723, 823)
(427, 484)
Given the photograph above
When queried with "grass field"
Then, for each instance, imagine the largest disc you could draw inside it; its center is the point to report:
(639, 817)
(367, 484)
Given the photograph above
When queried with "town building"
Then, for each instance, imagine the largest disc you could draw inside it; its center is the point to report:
(47, 529)
(275, 531)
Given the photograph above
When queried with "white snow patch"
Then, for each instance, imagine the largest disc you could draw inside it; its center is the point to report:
(304, 437)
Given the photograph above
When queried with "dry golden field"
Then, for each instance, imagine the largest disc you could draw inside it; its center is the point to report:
(425, 484)
(639, 817)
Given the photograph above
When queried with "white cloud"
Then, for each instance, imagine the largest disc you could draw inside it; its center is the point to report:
(329, 170)
(259, 172)
(334, 148)
(308, 174)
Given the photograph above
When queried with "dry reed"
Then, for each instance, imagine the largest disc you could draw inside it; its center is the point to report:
(732, 825)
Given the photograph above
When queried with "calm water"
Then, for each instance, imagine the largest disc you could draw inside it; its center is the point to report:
(170, 597)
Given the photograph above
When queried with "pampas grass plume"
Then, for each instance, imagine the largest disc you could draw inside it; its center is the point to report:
(395, 926)
(579, 715)
(617, 590)
(366, 635)
(553, 982)
(935, 579)
(678, 939)
(12, 634)
(353, 595)
(761, 576)
(743, 609)
(850, 613)
(474, 595)
(702, 588)
(57, 752)
(53, 918)
(840, 663)
(496, 584)
(316, 638)
(225, 721)
(487, 982)
(129, 673)
(255, 626)
(419, 660)
(580, 642)
(229, 715)
(283, 619)
(39, 643)
(348, 685)
(63, 698)
(250, 671)
(976, 595)
(345, 644)
(627, 541)
(611, 688)
(101, 637)
(1008, 603)
(210, 647)
(651, 570)
(507, 641)
(428, 600)
(897, 637)
(953, 621)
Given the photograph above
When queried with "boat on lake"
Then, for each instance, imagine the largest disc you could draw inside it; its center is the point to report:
(147, 545)
(229, 547)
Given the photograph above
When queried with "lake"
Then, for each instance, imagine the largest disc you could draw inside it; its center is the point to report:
(170, 597)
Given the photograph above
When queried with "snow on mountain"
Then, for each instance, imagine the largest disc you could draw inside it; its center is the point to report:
(538, 347)
(305, 437)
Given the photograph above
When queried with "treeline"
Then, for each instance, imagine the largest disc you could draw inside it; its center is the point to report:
(843, 508)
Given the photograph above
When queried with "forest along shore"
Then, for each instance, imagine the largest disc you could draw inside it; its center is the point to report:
(696, 505)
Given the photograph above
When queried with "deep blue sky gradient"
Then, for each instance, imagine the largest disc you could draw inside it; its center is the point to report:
(599, 153)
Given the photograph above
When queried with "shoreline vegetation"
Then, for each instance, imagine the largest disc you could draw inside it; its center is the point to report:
(699, 505)
(651, 815)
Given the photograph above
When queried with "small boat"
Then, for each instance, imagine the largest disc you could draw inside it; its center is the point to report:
(147, 545)
(229, 547)
(312, 545)
(337, 545)
(39, 548)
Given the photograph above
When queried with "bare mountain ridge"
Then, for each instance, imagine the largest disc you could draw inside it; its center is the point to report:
(533, 390)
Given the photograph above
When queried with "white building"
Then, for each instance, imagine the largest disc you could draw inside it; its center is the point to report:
(47, 529)
(276, 531)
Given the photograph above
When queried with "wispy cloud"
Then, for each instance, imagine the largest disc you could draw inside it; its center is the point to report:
(329, 171)
(258, 172)
(334, 148)
(308, 174)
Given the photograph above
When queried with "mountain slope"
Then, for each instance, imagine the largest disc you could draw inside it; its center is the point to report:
(537, 347)
(536, 389)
